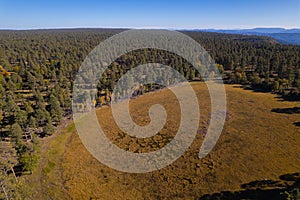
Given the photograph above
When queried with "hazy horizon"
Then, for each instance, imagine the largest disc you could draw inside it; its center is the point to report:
(168, 28)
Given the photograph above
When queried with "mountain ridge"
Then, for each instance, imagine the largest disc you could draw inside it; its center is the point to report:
(282, 35)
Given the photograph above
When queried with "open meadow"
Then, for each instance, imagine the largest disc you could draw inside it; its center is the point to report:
(259, 148)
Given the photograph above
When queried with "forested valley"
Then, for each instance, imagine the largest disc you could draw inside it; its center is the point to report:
(38, 67)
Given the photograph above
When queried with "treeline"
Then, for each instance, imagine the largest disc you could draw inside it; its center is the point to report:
(39, 67)
(258, 61)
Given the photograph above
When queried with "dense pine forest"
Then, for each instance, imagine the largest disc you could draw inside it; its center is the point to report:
(37, 69)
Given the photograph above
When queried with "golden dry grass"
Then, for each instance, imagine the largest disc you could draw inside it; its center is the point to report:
(255, 144)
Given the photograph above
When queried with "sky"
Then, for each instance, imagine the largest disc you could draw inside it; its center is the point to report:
(183, 14)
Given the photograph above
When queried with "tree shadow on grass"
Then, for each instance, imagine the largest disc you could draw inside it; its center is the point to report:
(261, 189)
(262, 89)
(296, 123)
(292, 98)
(294, 110)
(253, 88)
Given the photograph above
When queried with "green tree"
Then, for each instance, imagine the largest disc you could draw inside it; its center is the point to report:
(11, 107)
(220, 68)
(21, 118)
(49, 129)
(29, 161)
(275, 85)
(1, 117)
(41, 114)
(32, 122)
(16, 132)
(28, 108)
(55, 109)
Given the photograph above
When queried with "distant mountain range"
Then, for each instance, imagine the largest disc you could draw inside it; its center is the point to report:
(285, 36)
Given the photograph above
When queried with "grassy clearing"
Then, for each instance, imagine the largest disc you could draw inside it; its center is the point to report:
(47, 178)
(256, 144)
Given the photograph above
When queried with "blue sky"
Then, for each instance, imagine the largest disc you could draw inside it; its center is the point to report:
(234, 14)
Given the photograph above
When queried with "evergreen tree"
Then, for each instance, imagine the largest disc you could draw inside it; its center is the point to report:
(16, 132)
(49, 129)
(55, 109)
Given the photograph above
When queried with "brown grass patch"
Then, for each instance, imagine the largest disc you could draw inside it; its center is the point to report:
(255, 144)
